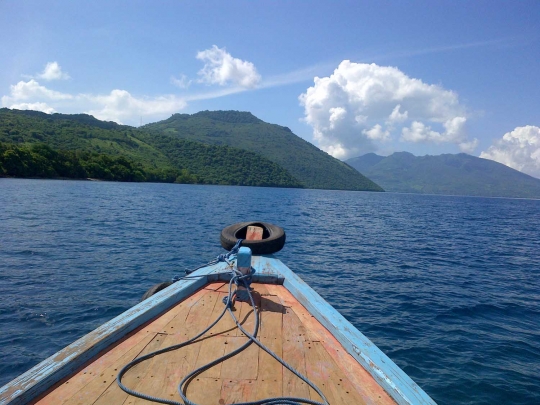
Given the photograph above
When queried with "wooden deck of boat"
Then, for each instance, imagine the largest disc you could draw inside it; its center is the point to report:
(286, 327)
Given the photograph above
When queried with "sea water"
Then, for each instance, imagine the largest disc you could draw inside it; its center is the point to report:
(448, 287)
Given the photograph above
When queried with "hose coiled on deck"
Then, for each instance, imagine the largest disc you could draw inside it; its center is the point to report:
(236, 279)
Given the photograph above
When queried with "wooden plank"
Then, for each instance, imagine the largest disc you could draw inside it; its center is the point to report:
(293, 353)
(205, 391)
(270, 373)
(212, 348)
(308, 332)
(243, 366)
(226, 325)
(366, 386)
(164, 372)
(323, 371)
(254, 233)
(170, 321)
(245, 315)
(260, 289)
(105, 390)
(124, 352)
(167, 370)
(224, 288)
(234, 391)
(363, 382)
(272, 311)
(199, 316)
(265, 271)
(215, 286)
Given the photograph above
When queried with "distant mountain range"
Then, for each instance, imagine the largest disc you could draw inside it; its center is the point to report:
(210, 147)
(458, 174)
(231, 147)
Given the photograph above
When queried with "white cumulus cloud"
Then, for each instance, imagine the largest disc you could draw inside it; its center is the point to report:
(518, 149)
(377, 133)
(396, 116)
(43, 107)
(53, 71)
(361, 105)
(32, 90)
(220, 67)
(418, 132)
(120, 105)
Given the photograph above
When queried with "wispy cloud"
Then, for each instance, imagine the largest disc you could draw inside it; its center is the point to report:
(182, 82)
(409, 53)
(299, 75)
(308, 73)
(208, 95)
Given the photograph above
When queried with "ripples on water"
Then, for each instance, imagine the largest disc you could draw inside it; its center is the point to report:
(448, 287)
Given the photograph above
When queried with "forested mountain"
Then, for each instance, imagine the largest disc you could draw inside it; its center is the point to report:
(35, 144)
(311, 166)
(459, 174)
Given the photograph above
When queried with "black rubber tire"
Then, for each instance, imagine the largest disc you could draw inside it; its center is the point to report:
(272, 242)
(155, 289)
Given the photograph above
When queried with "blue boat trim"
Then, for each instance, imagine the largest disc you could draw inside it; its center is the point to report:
(268, 270)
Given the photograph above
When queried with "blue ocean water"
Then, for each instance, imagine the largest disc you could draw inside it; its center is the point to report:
(448, 287)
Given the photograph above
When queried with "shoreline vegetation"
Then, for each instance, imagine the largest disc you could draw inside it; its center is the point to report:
(39, 161)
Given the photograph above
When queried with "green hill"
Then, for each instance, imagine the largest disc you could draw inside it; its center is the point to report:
(122, 153)
(459, 174)
(311, 166)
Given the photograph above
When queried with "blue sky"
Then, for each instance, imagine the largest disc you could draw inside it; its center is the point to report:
(427, 77)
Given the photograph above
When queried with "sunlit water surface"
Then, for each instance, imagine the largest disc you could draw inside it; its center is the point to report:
(447, 287)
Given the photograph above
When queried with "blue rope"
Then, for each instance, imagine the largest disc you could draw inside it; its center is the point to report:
(224, 257)
(236, 279)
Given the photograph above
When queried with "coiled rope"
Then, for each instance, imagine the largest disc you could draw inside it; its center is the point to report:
(236, 279)
(224, 257)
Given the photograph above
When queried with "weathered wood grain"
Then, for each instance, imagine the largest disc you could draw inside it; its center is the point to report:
(293, 353)
(234, 391)
(244, 366)
(110, 391)
(254, 233)
(270, 373)
(205, 391)
(124, 352)
(164, 372)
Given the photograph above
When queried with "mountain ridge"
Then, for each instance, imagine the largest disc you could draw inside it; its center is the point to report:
(161, 155)
(453, 174)
(310, 165)
(88, 141)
